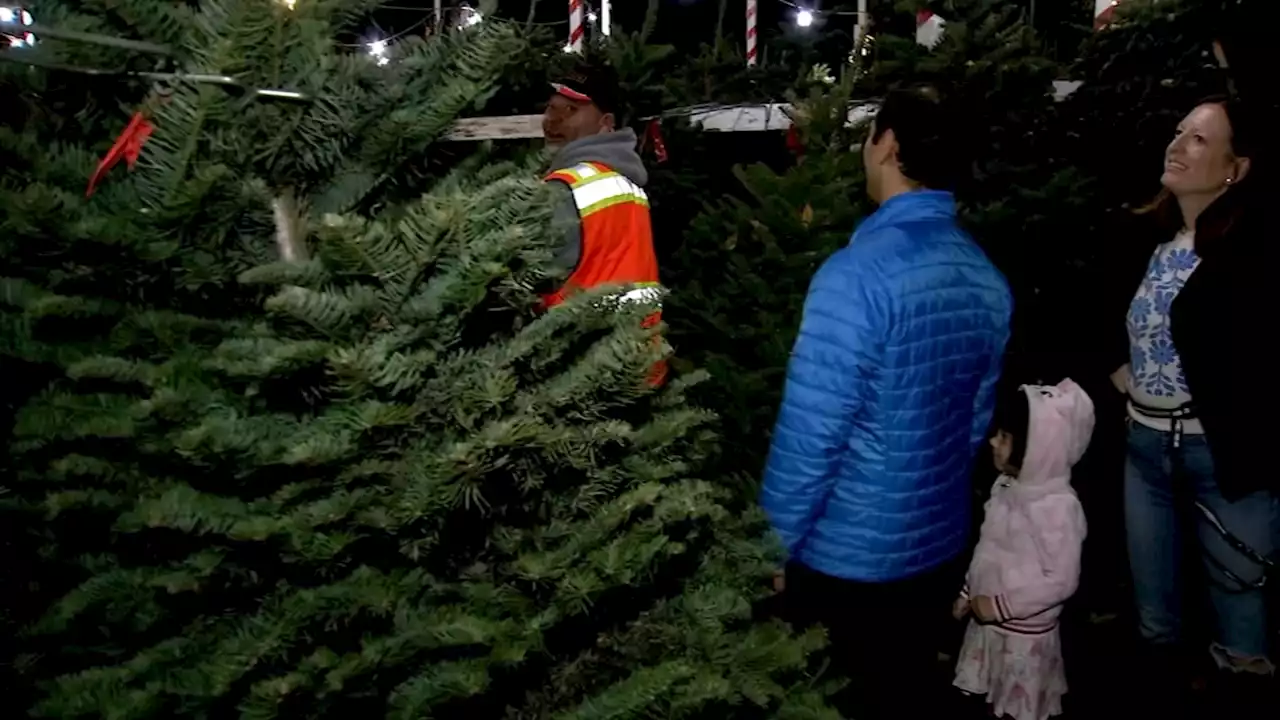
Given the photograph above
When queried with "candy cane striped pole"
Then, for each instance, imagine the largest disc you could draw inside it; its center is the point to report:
(576, 16)
(1103, 12)
(751, 33)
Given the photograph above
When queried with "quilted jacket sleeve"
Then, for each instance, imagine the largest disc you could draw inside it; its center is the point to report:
(842, 329)
(985, 401)
(1060, 532)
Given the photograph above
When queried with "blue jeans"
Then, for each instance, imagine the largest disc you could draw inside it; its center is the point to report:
(1160, 486)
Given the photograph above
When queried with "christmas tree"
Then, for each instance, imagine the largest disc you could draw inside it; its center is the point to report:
(301, 440)
(744, 266)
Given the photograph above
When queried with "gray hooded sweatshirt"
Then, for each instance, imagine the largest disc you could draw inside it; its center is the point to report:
(616, 149)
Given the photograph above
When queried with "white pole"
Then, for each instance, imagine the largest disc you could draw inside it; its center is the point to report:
(606, 12)
(1103, 10)
(439, 15)
(864, 22)
(751, 33)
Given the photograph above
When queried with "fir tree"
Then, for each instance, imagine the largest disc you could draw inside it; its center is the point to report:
(743, 268)
(308, 447)
(740, 320)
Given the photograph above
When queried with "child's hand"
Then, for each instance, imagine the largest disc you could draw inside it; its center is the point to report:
(1120, 379)
(960, 608)
(984, 608)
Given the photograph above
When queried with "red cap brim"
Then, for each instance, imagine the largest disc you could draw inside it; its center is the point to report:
(570, 93)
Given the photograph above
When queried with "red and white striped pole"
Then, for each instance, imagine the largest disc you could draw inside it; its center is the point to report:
(929, 28)
(1103, 13)
(576, 30)
(751, 32)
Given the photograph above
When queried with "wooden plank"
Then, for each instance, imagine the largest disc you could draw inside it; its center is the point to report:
(740, 118)
(745, 118)
(509, 127)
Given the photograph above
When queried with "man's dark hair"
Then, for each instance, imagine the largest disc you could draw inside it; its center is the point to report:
(1013, 415)
(928, 146)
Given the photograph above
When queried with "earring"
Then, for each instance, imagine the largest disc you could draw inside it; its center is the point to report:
(1230, 180)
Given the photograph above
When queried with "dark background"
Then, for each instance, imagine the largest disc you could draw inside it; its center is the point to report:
(688, 24)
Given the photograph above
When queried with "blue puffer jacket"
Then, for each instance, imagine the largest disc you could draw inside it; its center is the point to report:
(889, 391)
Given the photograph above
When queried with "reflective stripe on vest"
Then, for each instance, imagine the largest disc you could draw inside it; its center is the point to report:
(643, 293)
(604, 190)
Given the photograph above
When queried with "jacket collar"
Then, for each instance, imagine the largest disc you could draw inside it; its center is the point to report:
(914, 206)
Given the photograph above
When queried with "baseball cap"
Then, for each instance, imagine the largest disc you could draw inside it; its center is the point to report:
(596, 84)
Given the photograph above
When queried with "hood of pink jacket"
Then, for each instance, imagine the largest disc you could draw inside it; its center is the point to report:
(1028, 556)
(1060, 427)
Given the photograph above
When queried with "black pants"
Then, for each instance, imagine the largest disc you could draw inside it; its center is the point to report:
(884, 636)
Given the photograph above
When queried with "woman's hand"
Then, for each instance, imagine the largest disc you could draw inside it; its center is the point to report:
(1120, 379)
(960, 608)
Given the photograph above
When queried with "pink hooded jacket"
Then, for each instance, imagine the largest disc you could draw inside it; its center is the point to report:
(1028, 556)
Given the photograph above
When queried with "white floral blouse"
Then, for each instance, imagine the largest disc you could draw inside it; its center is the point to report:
(1156, 378)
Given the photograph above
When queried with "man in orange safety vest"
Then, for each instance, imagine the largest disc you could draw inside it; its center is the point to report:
(609, 238)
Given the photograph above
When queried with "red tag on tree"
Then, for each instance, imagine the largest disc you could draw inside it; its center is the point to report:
(127, 146)
(654, 135)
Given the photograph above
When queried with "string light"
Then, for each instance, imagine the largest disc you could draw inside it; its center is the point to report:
(592, 17)
(378, 49)
(804, 18)
(290, 4)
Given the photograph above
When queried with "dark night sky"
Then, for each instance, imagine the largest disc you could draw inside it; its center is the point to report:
(690, 23)
(685, 23)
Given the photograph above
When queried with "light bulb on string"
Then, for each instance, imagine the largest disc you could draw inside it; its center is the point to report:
(378, 49)
(804, 18)
(592, 17)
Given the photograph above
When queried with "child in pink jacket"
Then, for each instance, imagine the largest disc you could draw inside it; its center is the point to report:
(1027, 562)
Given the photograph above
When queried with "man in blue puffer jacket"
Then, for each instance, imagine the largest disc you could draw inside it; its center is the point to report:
(889, 393)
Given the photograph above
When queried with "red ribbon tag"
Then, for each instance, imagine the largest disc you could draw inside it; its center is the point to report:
(654, 134)
(127, 146)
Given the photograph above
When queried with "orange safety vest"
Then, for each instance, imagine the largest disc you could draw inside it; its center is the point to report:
(617, 239)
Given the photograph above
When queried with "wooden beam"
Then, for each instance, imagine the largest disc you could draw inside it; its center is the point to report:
(740, 118)
(509, 127)
(735, 118)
